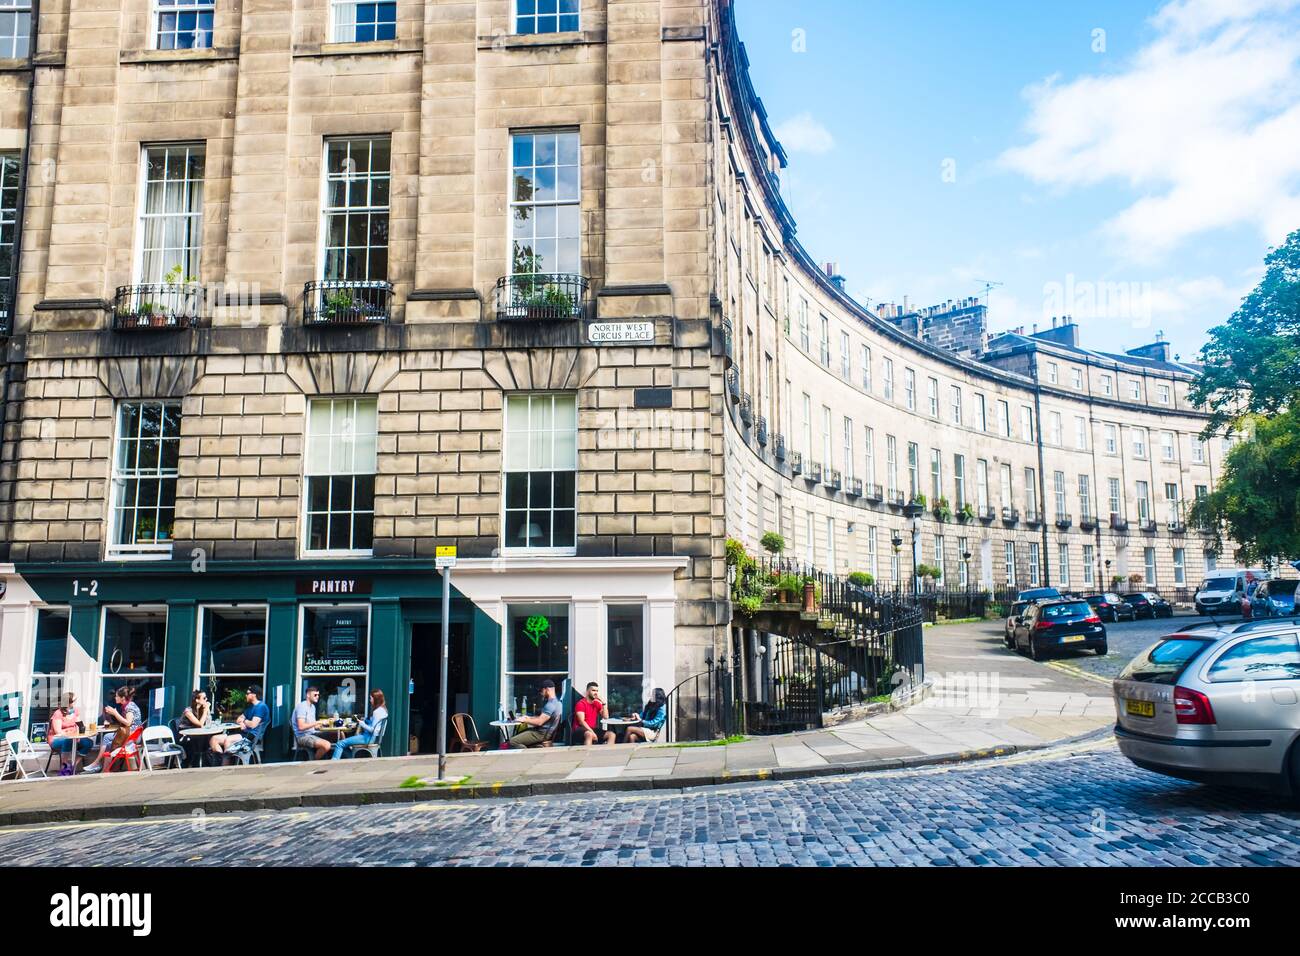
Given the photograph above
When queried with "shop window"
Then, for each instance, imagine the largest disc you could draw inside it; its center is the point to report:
(546, 16)
(541, 466)
(625, 659)
(335, 656)
(537, 647)
(363, 22)
(134, 653)
(145, 467)
(183, 24)
(49, 662)
(232, 655)
(341, 464)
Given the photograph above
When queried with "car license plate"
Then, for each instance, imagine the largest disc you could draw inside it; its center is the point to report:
(1074, 639)
(1140, 708)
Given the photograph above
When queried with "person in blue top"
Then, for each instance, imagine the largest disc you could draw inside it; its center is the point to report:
(652, 719)
(252, 724)
(369, 728)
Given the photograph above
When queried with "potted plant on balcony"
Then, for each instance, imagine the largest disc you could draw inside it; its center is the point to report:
(929, 573)
(1116, 580)
(787, 587)
(1135, 579)
(942, 510)
(967, 512)
(772, 543)
(338, 305)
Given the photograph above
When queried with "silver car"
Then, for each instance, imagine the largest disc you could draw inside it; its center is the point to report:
(1216, 704)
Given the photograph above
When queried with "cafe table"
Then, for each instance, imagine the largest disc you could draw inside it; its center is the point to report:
(619, 725)
(193, 735)
(505, 726)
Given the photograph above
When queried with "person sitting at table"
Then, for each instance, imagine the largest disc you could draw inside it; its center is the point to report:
(542, 727)
(304, 723)
(121, 716)
(378, 713)
(64, 726)
(252, 725)
(198, 714)
(652, 719)
(588, 712)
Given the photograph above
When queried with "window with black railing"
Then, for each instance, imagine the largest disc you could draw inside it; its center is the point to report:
(347, 302)
(541, 297)
(157, 306)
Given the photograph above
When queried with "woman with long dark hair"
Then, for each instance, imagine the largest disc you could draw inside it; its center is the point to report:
(652, 719)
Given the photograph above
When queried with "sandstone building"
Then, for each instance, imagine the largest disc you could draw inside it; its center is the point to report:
(300, 290)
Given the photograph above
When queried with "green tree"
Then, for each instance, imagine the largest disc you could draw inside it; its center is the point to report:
(1257, 501)
(1252, 362)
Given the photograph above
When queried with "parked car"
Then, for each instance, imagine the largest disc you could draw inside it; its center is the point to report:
(1149, 604)
(1048, 626)
(1223, 591)
(1273, 599)
(1111, 607)
(1215, 704)
(1009, 629)
(1038, 594)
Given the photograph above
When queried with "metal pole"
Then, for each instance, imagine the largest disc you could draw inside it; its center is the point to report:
(442, 676)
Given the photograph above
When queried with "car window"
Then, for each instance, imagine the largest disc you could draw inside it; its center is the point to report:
(1282, 587)
(1218, 584)
(1276, 657)
(1066, 610)
(1164, 661)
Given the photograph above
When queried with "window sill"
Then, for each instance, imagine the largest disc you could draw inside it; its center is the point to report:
(336, 555)
(204, 55)
(366, 48)
(159, 555)
(14, 64)
(523, 41)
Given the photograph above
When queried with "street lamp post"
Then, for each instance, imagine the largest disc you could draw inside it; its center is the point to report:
(965, 560)
(897, 542)
(916, 554)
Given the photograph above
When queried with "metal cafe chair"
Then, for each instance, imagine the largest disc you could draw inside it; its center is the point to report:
(371, 749)
(464, 743)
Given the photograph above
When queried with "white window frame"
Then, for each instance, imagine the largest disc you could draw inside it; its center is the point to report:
(118, 478)
(198, 673)
(194, 228)
(305, 510)
(563, 550)
(9, 47)
(327, 211)
(535, 204)
(514, 19)
(1089, 565)
(178, 7)
(337, 23)
(130, 676)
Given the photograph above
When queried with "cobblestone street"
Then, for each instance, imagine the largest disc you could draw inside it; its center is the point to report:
(1064, 807)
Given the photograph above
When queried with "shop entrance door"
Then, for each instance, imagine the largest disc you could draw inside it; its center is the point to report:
(426, 648)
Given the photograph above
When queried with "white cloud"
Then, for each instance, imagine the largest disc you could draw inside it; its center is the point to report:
(805, 134)
(1203, 123)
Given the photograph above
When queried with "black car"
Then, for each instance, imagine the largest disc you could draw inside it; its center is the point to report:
(1149, 604)
(1049, 626)
(1111, 607)
(1009, 628)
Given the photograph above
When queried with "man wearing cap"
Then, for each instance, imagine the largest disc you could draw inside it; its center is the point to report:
(542, 727)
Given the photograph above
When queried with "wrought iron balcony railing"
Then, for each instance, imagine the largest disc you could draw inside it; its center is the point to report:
(1178, 527)
(812, 470)
(157, 306)
(897, 499)
(760, 430)
(733, 383)
(778, 446)
(747, 409)
(347, 302)
(1087, 522)
(875, 493)
(541, 297)
(728, 342)
(796, 463)
(986, 513)
(833, 480)
(1118, 523)
(1033, 518)
(1064, 521)
(1148, 526)
(1010, 516)
(855, 488)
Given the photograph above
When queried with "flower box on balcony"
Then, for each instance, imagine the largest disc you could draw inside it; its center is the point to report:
(346, 302)
(158, 306)
(541, 297)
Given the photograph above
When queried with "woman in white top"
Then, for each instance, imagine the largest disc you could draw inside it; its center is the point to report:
(369, 728)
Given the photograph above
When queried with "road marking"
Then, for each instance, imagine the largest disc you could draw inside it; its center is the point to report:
(1079, 672)
(194, 821)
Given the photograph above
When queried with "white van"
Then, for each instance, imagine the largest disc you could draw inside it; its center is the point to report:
(1222, 591)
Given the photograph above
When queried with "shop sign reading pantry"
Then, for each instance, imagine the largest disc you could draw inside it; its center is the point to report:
(334, 587)
(621, 332)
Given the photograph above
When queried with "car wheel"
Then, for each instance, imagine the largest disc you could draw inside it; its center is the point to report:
(1291, 775)
(1035, 651)
(1103, 650)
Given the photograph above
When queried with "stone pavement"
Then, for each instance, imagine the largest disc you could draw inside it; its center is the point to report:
(985, 702)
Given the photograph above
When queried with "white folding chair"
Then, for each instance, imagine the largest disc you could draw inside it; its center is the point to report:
(21, 749)
(159, 745)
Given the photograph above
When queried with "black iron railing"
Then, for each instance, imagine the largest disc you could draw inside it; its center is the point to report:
(760, 430)
(1010, 516)
(747, 409)
(1033, 518)
(897, 499)
(1118, 523)
(796, 463)
(778, 446)
(157, 306)
(1148, 526)
(874, 492)
(986, 514)
(833, 479)
(1064, 521)
(1177, 527)
(733, 383)
(347, 302)
(812, 470)
(854, 488)
(541, 297)
(1087, 522)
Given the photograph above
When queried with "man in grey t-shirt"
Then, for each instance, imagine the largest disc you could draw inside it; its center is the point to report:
(542, 727)
(305, 723)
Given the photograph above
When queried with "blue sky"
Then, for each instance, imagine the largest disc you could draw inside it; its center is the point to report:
(1128, 162)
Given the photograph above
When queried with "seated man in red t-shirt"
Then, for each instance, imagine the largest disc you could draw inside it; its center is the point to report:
(587, 714)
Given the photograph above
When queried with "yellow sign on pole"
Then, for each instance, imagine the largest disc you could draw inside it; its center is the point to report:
(446, 557)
